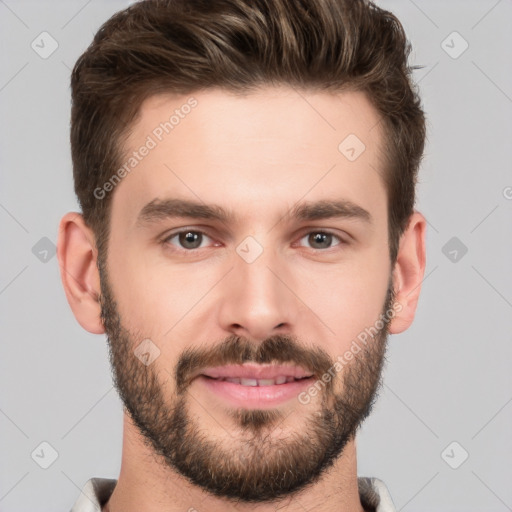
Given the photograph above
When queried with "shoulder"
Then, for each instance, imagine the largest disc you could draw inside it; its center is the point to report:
(374, 495)
(95, 493)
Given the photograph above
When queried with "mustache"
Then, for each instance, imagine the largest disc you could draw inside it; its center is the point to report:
(279, 349)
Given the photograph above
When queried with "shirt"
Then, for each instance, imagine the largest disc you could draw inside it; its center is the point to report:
(96, 492)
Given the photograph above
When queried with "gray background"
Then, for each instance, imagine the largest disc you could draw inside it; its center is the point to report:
(448, 378)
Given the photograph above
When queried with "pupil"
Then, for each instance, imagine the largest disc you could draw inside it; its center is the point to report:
(191, 238)
(321, 238)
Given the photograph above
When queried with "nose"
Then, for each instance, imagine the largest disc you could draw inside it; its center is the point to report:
(257, 298)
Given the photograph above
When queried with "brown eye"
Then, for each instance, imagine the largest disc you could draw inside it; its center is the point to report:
(190, 239)
(187, 239)
(321, 239)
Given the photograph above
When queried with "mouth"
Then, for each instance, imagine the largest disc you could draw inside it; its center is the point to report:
(281, 379)
(250, 374)
(255, 386)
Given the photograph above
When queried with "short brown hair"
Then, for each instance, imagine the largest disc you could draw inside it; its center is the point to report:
(182, 46)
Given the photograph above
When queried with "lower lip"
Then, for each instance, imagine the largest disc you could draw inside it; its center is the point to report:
(255, 397)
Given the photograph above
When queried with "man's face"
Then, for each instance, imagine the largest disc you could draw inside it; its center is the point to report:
(282, 293)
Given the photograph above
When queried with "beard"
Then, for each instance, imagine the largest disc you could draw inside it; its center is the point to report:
(251, 465)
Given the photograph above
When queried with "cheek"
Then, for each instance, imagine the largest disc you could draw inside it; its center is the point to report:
(156, 297)
(346, 299)
(136, 288)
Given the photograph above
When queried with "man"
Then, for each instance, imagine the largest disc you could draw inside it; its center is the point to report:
(248, 239)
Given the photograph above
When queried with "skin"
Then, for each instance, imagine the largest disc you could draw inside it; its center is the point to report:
(258, 156)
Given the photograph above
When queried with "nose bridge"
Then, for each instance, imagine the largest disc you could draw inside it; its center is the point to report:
(256, 300)
(254, 267)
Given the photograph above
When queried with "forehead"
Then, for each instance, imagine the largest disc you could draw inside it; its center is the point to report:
(276, 113)
(272, 145)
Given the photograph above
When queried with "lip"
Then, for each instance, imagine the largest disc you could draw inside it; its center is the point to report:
(255, 371)
(254, 397)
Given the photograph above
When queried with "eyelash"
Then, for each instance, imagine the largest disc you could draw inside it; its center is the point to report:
(166, 240)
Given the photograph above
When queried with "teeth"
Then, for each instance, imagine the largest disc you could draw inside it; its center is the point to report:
(259, 382)
(266, 382)
(248, 382)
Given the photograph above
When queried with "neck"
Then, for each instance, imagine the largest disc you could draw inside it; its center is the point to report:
(146, 484)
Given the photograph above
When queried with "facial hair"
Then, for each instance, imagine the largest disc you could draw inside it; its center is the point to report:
(252, 465)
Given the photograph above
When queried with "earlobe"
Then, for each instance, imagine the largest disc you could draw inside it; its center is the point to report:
(77, 255)
(408, 273)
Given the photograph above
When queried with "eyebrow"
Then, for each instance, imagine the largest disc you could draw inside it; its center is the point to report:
(161, 209)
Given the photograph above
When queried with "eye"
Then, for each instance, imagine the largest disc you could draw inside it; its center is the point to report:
(322, 239)
(188, 239)
(192, 239)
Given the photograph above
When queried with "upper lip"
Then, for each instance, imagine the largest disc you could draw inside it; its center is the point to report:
(254, 371)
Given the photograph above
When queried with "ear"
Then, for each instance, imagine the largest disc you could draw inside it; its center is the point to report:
(408, 273)
(77, 255)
